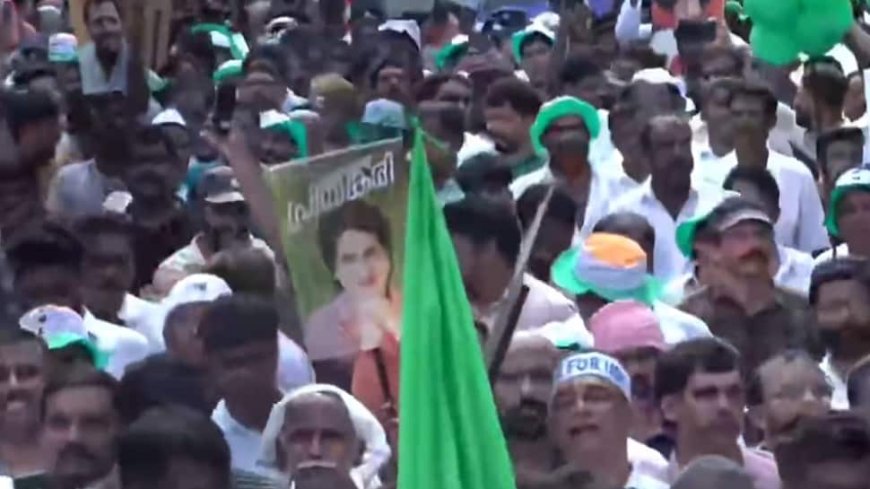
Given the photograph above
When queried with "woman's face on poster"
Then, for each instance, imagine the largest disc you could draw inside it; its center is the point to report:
(362, 264)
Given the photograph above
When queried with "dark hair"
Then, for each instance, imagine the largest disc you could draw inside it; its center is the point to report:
(825, 79)
(706, 355)
(31, 72)
(481, 170)
(428, 87)
(736, 55)
(755, 383)
(561, 208)
(642, 54)
(198, 46)
(89, 227)
(245, 270)
(79, 377)
(838, 269)
(356, 215)
(44, 244)
(150, 135)
(89, 4)
(20, 108)
(856, 380)
(577, 68)
(275, 60)
(149, 445)
(483, 219)
(449, 116)
(160, 380)
(230, 322)
(621, 222)
(757, 91)
(850, 134)
(646, 131)
(759, 177)
(12, 334)
(838, 436)
(519, 95)
(384, 61)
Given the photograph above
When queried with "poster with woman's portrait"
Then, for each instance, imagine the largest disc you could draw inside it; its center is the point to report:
(342, 220)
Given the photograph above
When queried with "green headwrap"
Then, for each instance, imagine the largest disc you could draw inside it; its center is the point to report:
(223, 37)
(562, 107)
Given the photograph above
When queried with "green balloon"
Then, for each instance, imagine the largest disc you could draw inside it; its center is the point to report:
(773, 14)
(818, 29)
(776, 47)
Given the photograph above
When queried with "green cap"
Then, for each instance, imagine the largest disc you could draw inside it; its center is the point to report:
(63, 340)
(449, 55)
(561, 107)
(229, 69)
(686, 233)
(520, 38)
(277, 121)
(223, 37)
(856, 179)
(610, 266)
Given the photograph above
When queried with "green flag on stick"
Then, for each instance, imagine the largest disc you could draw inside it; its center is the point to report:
(449, 434)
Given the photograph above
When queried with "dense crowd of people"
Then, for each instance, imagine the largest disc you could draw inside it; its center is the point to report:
(697, 225)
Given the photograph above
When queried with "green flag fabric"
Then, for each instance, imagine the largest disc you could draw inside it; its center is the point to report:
(449, 433)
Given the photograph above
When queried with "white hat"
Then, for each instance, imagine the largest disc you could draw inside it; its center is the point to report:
(368, 429)
(51, 320)
(407, 27)
(169, 116)
(659, 76)
(194, 289)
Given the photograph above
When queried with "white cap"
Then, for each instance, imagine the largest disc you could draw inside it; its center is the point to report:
(407, 27)
(659, 76)
(549, 20)
(169, 116)
(272, 118)
(196, 288)
(51, 320)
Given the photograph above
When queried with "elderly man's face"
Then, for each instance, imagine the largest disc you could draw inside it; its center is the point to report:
(317, 431)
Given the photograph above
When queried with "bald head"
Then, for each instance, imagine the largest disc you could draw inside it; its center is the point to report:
(524, 384)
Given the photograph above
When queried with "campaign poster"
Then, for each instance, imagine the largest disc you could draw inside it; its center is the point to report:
(342, 220)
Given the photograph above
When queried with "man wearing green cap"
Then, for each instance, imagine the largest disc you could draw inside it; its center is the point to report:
(563, 131)
(736, 258)
(532, 48)
(849, 215)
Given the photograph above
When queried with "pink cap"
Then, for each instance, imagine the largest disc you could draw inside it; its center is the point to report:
(626, 325)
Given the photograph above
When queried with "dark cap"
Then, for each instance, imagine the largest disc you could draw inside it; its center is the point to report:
(219, 186)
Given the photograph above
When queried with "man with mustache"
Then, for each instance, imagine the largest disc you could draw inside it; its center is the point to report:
(521, 391)
(783, 391)
(23, 364)
(509, 110)
(839, 294)
(591, 418)
(734, 253)
(81, 423)
(226, 226)
(700, 391)
(669, 198)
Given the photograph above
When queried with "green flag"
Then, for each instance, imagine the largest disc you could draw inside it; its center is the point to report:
(449, 433)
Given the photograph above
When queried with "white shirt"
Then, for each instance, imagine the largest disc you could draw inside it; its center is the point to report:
(145, 318)
(647, 461)
(473, 145)
(841, 251)
(801, 220)
(123, 345)
(840, 397)
(669, 261)
(294, 368)
(244, 443)
(637, 480)
(795, 270)
(678, 326)
(604, 187)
